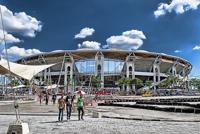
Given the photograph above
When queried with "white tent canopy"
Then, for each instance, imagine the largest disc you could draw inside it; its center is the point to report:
(25, 71)
(20, 86)
(51, 86)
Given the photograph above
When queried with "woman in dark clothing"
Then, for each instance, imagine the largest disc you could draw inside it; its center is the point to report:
(69, 103)
(47, 98)
(54, 98)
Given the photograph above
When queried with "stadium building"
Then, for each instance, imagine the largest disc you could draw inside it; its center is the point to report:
(77, 66)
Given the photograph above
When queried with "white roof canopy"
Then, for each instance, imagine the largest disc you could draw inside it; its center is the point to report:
(25, 71)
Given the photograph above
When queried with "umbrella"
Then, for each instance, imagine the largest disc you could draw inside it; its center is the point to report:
(80, 92)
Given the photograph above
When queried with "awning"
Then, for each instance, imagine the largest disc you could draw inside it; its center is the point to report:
(24, 71)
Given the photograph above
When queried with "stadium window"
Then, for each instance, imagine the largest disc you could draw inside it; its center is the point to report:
(68, 68)
(99, 68)
(130, 68)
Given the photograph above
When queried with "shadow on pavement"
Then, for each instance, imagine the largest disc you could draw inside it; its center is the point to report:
(58, 121)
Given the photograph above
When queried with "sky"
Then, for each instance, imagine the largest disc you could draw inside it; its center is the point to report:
(164, 26)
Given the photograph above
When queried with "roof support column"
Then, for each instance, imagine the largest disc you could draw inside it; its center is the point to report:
(69, 75)
(130, 69)
(156, 72)
(185, 78)
(174, 70)
(45, 75)
(99, 58)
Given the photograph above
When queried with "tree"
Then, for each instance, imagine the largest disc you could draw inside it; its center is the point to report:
(170, 81)
(137, 83)
(122, 82)
(166, 83)
(96, 81)
(195, 83)
(148, 83)
(14, 82)
(125, 81)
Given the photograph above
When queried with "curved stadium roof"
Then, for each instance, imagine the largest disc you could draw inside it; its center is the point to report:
(108, 53)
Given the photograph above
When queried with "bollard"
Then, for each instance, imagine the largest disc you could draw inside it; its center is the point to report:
(96, 114)
(18, 128)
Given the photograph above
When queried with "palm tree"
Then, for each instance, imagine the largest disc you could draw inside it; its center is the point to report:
(148, 83)
(171, 80)
(166, 83)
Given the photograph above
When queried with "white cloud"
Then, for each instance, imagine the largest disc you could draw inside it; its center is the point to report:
(8, 37)
(197, 47)
(90, 44)
(19, 23)
(128, 40)
(178, 51)
(178, 6)
(84, 33)
(134, 34)
(21, 52)
(105, 46)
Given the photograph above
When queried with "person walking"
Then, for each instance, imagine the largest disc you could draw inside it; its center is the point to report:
(61, 106)
(54, 98)
(40, 97)
(69, 103)
(47, 98)
(80, 107)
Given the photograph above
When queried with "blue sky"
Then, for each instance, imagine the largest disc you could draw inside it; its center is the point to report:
(165, 26)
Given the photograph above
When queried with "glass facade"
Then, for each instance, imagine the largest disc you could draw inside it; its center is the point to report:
(110, 66)
(86, 66)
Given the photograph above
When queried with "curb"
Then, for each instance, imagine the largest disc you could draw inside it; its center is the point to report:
(142, 119)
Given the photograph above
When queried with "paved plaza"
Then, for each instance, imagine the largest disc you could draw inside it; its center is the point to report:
(42, 119)
(49, 125)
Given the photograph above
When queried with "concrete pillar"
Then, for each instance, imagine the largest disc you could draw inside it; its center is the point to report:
(156, 71)
(65, 77)
(130, 63)
(40, 79)
(99, 58)
(45, 75)
(183, 72)
(68, 76)
(184, 78)
(174, 70)
(49, 76)
(4, 83)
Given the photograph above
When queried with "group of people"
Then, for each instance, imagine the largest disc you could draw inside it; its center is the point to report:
(67, 103)
(45, 97)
